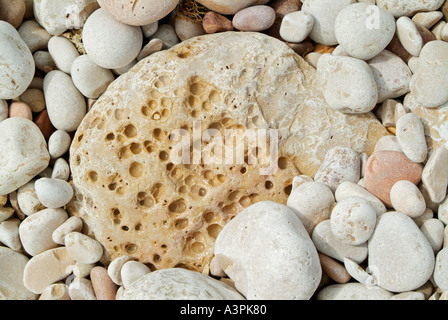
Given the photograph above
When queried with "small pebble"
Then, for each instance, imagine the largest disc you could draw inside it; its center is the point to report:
(132, 271)
(82, 248)
(53, 193)
(167, 34)
(187, 28)
(409, 36)
(388, 143)
(34, 35)
(214, 22)
(12, 11)
(20, 109)
(42, 121)
(153, 46)
(348, 189)
(353, 291)
(9, 234)
(435, 174)
(433, 229)
(43, 61)
(334, 269)
(412, 295)
(59, 143)
(149, 29)
(296, 26)
(81, 289)
(4, 110)
(63, 53)
(57, 291)
(61, 170)
(441, 270)
(256, 18)
(114, 269)
(407, 198)
(411, 137)
(27, 199)
(34, 98)
(104, 287)
(72, 224)
(427, 19)
(82, 270)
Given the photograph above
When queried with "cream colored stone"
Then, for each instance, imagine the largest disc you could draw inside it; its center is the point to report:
(34, 35)
(409, 36)
(407, 198)
(63, 53)
(81, 289)
(219, 81)
(349, 189)
(27, 199)
(72, 224)
(433, 230)
(132, 271)
(435, 174)
(407, 8)
(59, 143)
(230, 6)
(411, 137)
(9, 234)
(61, 170)
(57, 291)
(114, 269)
(53, 193)
(353, 291)
(427, 19)
(83, 248)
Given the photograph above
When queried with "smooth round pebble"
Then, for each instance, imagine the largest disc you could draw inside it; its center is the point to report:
(353, 220)
(12, 11)
(255, 18)
(53, 193)
(63, 52)
(353, 291)
(9, 234)
(90, 79)
(18, 66)
(407, 198)
(114, 269)
(82, 248)
(110, 43)
(433, 229)
(20, 109)
(348, 189)
(81, 289)
(61, 170)
(187, 28)
(360, 35)
(409, 36)
(27, 199)
(435, 174)
(59, 143)
(167, 34)
(72, 224)
(104, 287)
(34, 35)
(296, 26)
(411, 137)
(132, 271)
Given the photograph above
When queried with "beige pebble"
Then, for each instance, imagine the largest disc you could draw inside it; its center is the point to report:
(82, 270)
(59, 143)
(44, 62)
(6, 213)
(442, 211)
(388, 143)
(334, 269)
(57, 291)
(400, 110)
(427, 19)
(104, 287)
(81, 289)
(428, 214)
(9, 234)
(411, 295)
(438, 29)
(37, 83)
(3, 200)
(35, 37)
(61, 170)
(34, 98)
(47, 268)
(20, 109)
(132, 271)
(409, 36)
(12, 11)
(63, 52)
(359, 274)
(407, 198)
(411, 137)
(187, 28)
(435, 174)
(82, 248)
(53, 193)
(215, 269)
(433, 230)
(386, 112)
(153, 46)
(4, 110)
(114, 269)
(27, 199)
(120, 293)
(255, 18)
(349, 189)
(167, 34)
(149, 29)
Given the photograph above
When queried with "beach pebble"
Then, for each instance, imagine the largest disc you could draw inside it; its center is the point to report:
(353, 291)
(388, 143)
(12, 11)
(58, 144)
(110, 43)
(138, 13)
(66, 110)
(11, 276)
(435, 174)
(46, 269)
(35, 37)
(256, 18)
(167, 34)
(214, 22)
(348, 84)
(17, 70)
(27, 199)
(90, 79)
(392, 251)
(82, 248)
(428, 84)
(311, 202)
(411, 137)
(360, 37)
(365, 277)
(349, 189)
(132, 271)
(353, 220)
(229, 7)
(409, 36)
(433, 229)
(104, 287)
(81, 289)
(153, 46)
(334, 269)
(327, 243)
(427, 19)
(4, 109)
(392, 75)
(72, 224)
(149, 29)
(6, 213)
(114, 269)
(61, 170)
(256, 230)
(441, 269)
(43, 61)
(20, 109)
(385, 168)
(63, 52)
(410, 295)
(407, 198)
(296, 26)
(53, 193)
(9, 233)
(24, 149)
(57, 291)
(179, 284)
(34, 98)
(57, 17)
(36, 230)
(400, 8)
(187, 28)
(82, 270)
(340, 164)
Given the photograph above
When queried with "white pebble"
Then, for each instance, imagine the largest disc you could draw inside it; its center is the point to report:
(58, 144)
(61, 170)
(296, 26)
(411, 137)
(409, 36)
(9, 234)
(72, 224)
(81, 289)
(442, 211)
(114, 269)
(63, 53)
(53, 193)
(441, 270)
(27, 199)
(35, 37)
(57, 291)
(407, 198)
(388, 142)
(348, 189)
(433, 229)
(82, 248)
(132, 271)
(435, 174)
(4, 109)
(167, 34)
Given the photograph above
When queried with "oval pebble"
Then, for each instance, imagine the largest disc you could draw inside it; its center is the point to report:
(392, 251)
(104, 287)
(34, 98)
(20, 109)
(353, 291)
(72, 224)
(90, 79)
(4, 109)
(296, 26)
(411, 137)
(110, 43)
(132, 271)
(407, 198)
(63, 52)
(82, 248)
(409, 36)
(53, 193)
(61, 170)
(18, 66)
(66, 106)
(81, 289)
(59, 143)
(433, 229)
(435, 174)
(441, 269)
(348, 189)
(27, 199)
(256, 18)
(114, 269)
(35, 37)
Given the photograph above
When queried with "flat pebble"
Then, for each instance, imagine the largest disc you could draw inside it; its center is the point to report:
(340, 164)
(138, 14)
(296, 26)
(36, 230)
(353, 291)
(311, 202)
(179, 284)
(81, 289)
(18, 66)
(359, 36)
(407, 198)
(82, 248)
(349, 189)
(46, 269)
(110, 43)
(348, 84)
(256, 18)
(427, 19)
(435, 174)
(433, 229)
(24, 149)
(132, 271)
(409, 36)
(441, 269)
(9, 233)
(53, 193)
(11, 276)
(392, 252)
(385, 168)
(104, 287)
(72, 224)
(411, 137)
(27, 199)
(90, 79)
(57, 291)
(326, 243)
(256, 230)
(66, 106)
(353, 220)
(63, 52)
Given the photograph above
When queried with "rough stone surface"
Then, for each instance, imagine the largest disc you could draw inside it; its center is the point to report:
(179, 284)
(224, 80)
